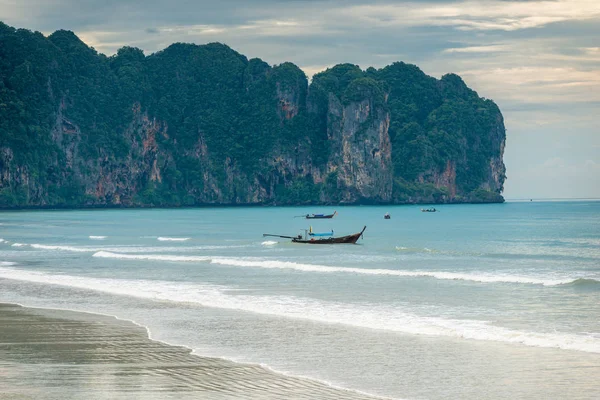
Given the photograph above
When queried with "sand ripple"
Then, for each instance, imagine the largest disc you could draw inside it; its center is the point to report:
(63, 354)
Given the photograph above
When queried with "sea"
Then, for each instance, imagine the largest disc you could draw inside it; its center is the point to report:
(491, 301)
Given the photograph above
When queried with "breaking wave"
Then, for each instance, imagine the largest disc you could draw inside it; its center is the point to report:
(276, 264)
(483, 278)
(155, 257)
(66, 248)
(381, 317)
(585, 283)
(97, 237)
(172, 239)
(125, 248)
(416, 250)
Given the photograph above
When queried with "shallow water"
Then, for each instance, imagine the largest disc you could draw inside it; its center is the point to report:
(475, 301)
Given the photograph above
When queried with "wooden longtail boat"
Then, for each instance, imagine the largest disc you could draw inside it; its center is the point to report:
(319, 216)
(330, 240)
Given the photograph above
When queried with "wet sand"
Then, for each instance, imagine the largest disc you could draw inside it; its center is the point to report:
(57, 354)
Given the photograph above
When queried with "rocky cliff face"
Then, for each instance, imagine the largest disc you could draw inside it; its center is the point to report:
(198, 125)
(110, 181)
(360, 150)
(494, 171)
(445, 179)
(497, 172)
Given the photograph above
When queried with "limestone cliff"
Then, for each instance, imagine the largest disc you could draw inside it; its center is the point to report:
(194, 125)
(360, 150)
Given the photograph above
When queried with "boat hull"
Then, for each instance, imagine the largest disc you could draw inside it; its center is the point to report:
(320, 216)
(349, 239)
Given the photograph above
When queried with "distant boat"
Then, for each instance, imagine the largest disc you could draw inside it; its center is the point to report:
(320, 216)
(349, 239)
(428, 210)
(387, 216)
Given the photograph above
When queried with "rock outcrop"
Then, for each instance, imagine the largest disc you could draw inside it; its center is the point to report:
(360, 150)
(196, 125)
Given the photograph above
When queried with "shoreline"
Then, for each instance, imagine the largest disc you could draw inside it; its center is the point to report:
(237, 205)
(255, 205)
(118, 357)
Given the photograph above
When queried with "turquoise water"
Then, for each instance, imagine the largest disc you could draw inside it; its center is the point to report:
(475, 301)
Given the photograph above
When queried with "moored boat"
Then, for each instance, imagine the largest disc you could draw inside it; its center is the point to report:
(350, 239)
(320, 216)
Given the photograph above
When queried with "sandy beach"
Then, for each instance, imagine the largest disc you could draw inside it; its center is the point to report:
(52, 354)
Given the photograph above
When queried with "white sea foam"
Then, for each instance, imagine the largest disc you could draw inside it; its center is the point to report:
(2, 240)
(97, 237)
(7, 263)
(585, 241)
(483, 278)
(275, 264)
(416, 249)
(388, 318)
(172, 239)
(64, 248)
(128, 248)
(159, 249)
(269, 243)
(155, 257)
(122, 253)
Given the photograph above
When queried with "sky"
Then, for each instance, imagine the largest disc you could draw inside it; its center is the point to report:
(538, 60)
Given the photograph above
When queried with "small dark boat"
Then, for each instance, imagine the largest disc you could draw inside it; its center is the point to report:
(387, 216)
(319, 216)
(352, 239)
(428, 210)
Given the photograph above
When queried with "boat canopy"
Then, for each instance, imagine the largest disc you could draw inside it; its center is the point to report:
(311, 233)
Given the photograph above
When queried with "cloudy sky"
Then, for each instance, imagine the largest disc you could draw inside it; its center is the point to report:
(538, 60)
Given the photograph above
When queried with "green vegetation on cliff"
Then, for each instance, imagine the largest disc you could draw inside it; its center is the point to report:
(204, 125)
